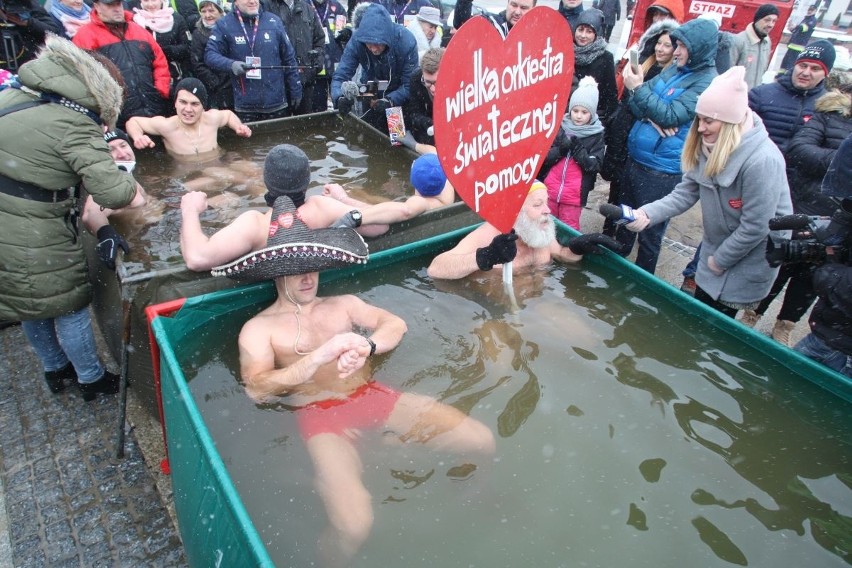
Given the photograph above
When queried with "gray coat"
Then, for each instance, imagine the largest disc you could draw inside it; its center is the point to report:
(752, 53)
(736, 207)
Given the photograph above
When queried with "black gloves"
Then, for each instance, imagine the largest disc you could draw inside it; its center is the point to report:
(343, 37)
(344, 105)
(239, 68)
(502, 249)
(588, 244)
(382, 105)
(108, 243)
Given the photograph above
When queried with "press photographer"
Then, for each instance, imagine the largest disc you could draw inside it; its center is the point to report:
(23, 24)
(830, 339)
(387, 56)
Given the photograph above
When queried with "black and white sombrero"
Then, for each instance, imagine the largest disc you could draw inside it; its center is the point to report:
(293, 248)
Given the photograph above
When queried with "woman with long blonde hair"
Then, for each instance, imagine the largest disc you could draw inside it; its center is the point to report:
(732, 166)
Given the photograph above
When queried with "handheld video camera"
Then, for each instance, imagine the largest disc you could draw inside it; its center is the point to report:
(372, 88)
(815, 239)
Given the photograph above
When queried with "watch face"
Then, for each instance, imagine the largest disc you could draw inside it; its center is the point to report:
(356, 216)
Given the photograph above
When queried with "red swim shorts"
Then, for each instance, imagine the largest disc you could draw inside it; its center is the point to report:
(366, 408)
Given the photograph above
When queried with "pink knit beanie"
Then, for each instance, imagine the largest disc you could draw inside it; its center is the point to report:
(726, 98)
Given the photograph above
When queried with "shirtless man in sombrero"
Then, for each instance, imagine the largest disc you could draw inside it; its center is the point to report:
(315, 352)
(286, 171)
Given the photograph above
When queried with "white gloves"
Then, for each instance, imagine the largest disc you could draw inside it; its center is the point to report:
(641, 223)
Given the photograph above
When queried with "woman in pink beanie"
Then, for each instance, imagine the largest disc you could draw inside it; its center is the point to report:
(738, 173)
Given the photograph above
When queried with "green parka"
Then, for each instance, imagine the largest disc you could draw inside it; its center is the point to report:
(42, 265)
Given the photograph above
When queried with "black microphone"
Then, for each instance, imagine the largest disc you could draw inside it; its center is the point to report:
(619, 213)
(794, 222)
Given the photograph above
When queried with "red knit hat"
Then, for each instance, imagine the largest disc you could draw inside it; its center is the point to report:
(726, 98)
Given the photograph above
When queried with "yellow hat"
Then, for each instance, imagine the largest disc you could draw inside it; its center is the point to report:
(536, 185)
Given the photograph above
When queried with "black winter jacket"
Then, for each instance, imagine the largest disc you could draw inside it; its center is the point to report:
(217, 83)
(588, 152)
(602, 69)
(783, 107)
(175, 44)
(418, 110)
(811, 150)
(306, 35)
(831, 318)
(24, 41)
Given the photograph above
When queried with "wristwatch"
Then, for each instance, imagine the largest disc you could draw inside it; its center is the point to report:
(356, 217)
(372, 346)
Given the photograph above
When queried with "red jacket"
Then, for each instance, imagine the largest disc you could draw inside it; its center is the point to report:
(140, 59)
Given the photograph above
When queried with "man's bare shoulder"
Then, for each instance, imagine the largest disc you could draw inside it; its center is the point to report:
(167, 126)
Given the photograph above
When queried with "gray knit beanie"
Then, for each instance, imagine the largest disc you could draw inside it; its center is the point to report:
(586, 96)
(287, 171)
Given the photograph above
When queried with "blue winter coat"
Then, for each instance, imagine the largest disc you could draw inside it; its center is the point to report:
(396, 64)
(669, 99)
(228, 43)
(784, 108)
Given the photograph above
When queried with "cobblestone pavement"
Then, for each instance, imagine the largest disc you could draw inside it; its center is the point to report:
(68, 500)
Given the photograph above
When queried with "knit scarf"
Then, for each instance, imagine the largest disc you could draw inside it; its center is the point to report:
(71, 19)
(584, 130)
(586, 54)
(159, 21)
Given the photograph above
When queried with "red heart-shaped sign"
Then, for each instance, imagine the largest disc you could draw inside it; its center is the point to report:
(499, 105)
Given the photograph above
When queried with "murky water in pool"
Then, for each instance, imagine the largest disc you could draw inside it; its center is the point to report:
(628, 434)
(340, 151)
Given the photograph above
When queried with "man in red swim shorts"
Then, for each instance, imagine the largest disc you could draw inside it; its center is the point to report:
(306, 348)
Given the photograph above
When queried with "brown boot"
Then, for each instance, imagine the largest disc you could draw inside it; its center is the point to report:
(781, 331)
(750, 318)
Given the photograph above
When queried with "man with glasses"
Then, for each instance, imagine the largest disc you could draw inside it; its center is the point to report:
(418, 110)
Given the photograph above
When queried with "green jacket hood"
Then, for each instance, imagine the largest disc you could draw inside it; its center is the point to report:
(63, 68)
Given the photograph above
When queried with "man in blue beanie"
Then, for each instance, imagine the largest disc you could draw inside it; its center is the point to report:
(431, 190)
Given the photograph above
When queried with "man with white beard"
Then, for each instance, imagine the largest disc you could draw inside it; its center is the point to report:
(532, 243)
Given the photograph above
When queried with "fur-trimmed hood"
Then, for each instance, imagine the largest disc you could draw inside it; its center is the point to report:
(649, 38)
(834, 101)
(63, 68)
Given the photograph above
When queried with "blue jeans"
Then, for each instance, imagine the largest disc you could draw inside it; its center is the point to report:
(692, 267)
(640, 186)
(815, 348)
(58, 340)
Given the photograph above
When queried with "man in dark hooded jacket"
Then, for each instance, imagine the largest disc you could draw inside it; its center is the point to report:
(386, 52)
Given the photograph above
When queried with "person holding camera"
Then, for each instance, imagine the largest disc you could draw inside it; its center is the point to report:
(737, 172)
(387, 54)
(830, 338)
(808, 157)
(24, 24)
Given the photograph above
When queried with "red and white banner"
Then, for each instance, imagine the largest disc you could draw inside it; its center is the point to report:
(498, 106)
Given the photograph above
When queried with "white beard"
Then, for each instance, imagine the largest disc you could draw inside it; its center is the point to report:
(534, 234)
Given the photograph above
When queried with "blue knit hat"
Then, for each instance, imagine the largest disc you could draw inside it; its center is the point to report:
(427, 176)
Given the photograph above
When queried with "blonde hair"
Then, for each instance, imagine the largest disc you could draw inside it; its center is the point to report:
(730, 136)
(651, 60)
